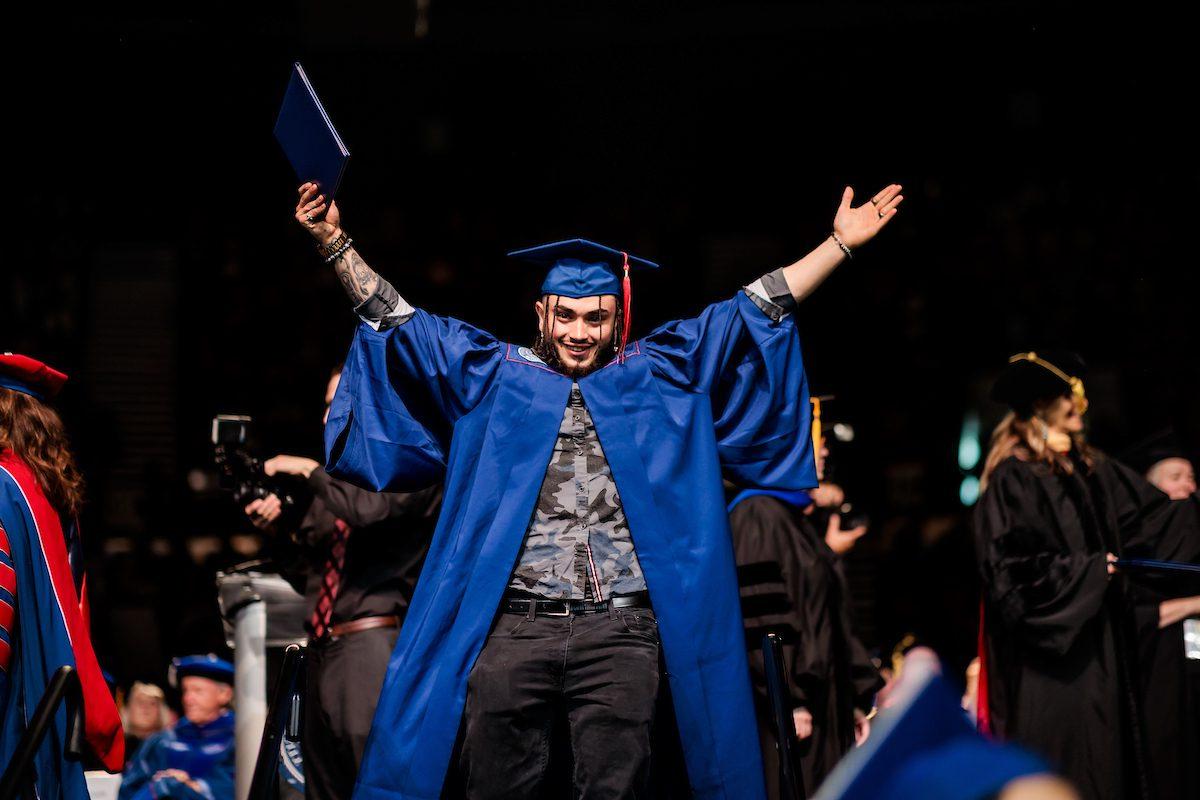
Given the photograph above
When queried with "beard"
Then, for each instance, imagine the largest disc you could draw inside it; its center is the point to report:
(548, 351)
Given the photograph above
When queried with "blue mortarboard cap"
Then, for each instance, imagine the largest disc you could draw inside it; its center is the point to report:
(200, 666)
(580, 268)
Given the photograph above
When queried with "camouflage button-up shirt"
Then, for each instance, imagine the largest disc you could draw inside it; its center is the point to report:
(578, 545)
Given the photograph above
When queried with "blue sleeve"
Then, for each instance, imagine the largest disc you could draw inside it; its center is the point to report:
(174, 789)
(750, 366)
(220, 779)
(138, 782)
(402, 390)
(135, 780)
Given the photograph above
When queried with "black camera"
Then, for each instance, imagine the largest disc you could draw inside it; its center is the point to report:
(241, 473)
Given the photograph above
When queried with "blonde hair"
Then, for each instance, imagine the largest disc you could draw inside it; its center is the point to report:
(154, 693)
(1024, 438)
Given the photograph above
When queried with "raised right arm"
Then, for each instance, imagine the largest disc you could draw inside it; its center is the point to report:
(375, 300)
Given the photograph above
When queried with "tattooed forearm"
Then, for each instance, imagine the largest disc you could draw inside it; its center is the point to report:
(359, 280)
(376, 302)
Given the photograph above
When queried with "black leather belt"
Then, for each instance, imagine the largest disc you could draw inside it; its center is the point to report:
(515, 604)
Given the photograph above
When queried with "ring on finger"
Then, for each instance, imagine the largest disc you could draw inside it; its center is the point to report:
(309, 219)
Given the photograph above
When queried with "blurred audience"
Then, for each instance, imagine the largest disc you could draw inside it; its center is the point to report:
(144, 713)
(194, 758)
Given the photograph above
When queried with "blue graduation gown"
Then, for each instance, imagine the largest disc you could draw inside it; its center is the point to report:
(436, 399)
(205, 752)
(49, 629)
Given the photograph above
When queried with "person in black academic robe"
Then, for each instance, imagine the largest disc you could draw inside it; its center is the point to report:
(792, 584)
(1059, 648)
(1169, 681)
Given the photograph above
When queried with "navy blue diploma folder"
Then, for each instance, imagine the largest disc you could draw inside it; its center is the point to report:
(308, 138)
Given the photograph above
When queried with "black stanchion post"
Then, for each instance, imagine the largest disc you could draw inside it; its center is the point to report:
(283, 717)
(791, 783)
(20, 776)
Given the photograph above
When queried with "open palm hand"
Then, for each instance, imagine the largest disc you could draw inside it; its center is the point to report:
(857, 226)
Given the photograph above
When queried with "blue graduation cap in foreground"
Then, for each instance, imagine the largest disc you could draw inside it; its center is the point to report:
(925, 748)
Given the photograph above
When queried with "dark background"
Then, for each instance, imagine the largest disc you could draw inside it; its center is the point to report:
(1045, 149)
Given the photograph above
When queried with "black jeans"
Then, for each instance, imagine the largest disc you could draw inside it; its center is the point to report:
(344, 678)
(597, 673)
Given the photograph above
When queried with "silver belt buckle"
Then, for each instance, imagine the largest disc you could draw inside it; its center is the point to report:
(565, 613)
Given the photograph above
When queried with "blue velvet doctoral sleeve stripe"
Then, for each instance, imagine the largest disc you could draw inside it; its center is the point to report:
(401, 393)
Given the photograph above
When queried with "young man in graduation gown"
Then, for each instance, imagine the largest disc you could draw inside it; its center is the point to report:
(583, 521)
(43, 597)
(1058, 647)
(792, 584)
(194, 758)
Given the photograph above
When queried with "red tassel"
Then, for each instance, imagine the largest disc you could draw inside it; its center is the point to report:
(626, 292)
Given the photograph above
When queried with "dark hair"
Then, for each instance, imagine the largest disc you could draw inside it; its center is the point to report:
(35, 433)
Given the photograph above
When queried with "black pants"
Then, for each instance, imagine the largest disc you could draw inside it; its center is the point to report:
(344, 679)
(596, 675)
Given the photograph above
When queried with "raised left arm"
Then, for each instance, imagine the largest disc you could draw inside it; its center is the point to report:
(852, 228)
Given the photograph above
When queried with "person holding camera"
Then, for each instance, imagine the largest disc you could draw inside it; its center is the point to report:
(791, 583)
(359, 554)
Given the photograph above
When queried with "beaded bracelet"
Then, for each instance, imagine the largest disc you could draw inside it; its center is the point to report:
(327, 249)
(842, 245)
(338, 253)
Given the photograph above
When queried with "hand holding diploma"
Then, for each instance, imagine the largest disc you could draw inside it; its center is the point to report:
(317, 215)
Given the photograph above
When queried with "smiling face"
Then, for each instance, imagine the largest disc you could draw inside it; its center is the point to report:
(580, 330)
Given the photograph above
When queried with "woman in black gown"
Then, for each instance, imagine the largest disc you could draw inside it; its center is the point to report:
(1059, 648)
